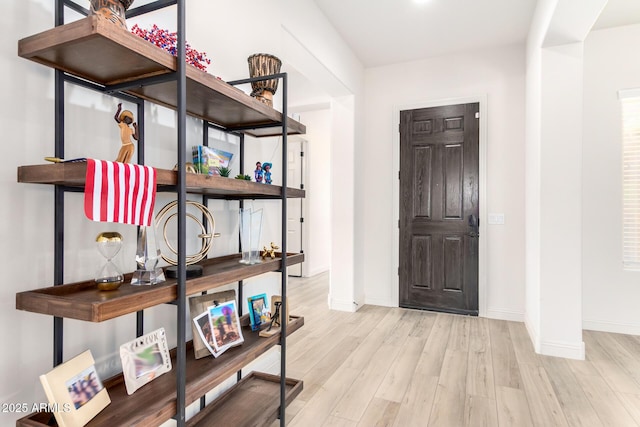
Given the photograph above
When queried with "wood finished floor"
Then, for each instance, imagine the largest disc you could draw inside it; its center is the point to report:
(387, 366)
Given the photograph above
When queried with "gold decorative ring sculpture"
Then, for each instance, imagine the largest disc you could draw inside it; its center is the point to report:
(206, 237)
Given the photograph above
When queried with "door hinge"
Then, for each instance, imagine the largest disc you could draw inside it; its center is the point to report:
(398, 223)
(477, 115)
(302, 154)
(398, 174)
(302, 186)
(301, 219)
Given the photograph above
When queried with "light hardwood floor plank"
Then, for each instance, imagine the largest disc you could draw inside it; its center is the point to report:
(480, 412)
(385, 366)
(416, 405)
(505, 363)
(512, 407)
(364, 387)
(522, 345)
(396, 381)
(543, 403)
(575, 405)
(430, 362)
(449, 402)
(380, 413)
(605, 402)
(631, 402)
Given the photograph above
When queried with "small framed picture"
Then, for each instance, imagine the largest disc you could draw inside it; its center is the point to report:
(198, 307)
(258, 311)
(144, 359)
(205, 335)
(226, 326)
(75, 389)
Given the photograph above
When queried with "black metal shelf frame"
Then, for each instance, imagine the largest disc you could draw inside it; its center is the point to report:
(59, 190)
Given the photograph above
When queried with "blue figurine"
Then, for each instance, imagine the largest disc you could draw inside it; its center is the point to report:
(267, 172)
(258, 172)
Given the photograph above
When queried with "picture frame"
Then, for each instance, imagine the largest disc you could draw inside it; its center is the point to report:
(257, 306)
(144, 359)
(225, 324)
(204, 332)
(75, 389)
(198, 308)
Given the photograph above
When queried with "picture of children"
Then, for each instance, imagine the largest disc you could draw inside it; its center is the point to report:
(124, 119)
(226, 325)
(83, 387)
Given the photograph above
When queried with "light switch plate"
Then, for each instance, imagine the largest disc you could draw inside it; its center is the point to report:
(496, 218)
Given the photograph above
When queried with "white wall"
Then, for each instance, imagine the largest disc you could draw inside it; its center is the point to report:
(27, 213)
(317, 226)
(553, 178)
(610, 294)
(498, 74)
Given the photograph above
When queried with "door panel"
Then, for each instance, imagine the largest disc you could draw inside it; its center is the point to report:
(438, 194)
(294, 206)
(422, 183)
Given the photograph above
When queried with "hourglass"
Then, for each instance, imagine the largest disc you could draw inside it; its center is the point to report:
(109, 276)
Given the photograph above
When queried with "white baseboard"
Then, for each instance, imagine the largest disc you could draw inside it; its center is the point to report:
(342, 305)
(383, 302)
(500, 314)
(533, 333)
(568, 350)
(615, 327)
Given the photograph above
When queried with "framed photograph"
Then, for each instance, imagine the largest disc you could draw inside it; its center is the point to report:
(144, 359)
(198, 307)
(226, 326)
(75, 389)
(258, 313)
(204, 333)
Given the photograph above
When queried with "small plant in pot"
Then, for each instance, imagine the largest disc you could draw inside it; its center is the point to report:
(224, 171)
(244, 177)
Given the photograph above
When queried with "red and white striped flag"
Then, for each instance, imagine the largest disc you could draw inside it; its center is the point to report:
(119, 192)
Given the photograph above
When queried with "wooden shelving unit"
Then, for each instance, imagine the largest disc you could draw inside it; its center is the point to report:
(90, 47)
(155, 402)
(73, 175)
(94, 53)
(83, 300)
(230, 408)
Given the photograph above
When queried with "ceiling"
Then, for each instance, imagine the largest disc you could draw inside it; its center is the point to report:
(384, 32)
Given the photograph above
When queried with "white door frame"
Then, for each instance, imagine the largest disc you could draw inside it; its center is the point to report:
(482, 240)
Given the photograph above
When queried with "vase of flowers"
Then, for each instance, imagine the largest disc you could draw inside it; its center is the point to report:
(111, 10)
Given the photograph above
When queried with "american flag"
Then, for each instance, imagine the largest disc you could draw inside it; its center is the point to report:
(119, 192)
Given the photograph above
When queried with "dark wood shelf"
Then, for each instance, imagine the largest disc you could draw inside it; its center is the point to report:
(83, 300)
(74, 175)
(155, 402)
(262, 390)
(96, 50)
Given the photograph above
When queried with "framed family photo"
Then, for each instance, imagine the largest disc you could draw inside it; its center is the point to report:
(198, 307)
(76, 390)
(204, 332)
(144, 359)
(258, 311)
(226, 326)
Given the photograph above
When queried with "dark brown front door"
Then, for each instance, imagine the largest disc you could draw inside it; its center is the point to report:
(439, 208)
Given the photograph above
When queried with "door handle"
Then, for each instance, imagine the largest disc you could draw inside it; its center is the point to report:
(474, 223)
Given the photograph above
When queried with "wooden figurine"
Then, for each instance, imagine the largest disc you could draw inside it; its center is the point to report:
(124, 119)
(270, 251)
